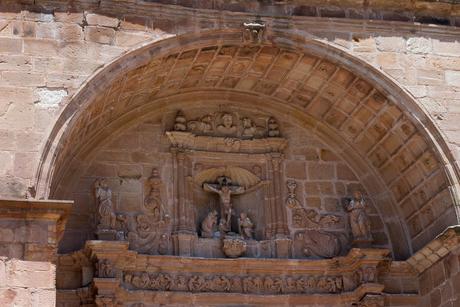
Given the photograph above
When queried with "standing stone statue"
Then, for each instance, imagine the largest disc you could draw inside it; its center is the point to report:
(246, 227)
(224, 189)
(359, 221)
(106, 215)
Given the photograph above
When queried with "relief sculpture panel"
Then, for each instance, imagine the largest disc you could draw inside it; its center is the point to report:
(220, 184)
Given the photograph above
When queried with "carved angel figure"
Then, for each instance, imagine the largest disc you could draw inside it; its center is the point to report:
(106, 216)
(208, 226)
(245, 226)
(359, 221)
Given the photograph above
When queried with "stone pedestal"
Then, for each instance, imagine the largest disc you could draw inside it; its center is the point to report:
(107, 234)
(361, 243)
(183, 244)
(283, 247)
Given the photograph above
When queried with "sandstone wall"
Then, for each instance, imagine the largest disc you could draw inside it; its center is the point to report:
(127, 158)
(46, 57)
(440, 283)
(27, 283)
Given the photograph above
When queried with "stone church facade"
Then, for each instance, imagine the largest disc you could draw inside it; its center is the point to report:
(229, 153)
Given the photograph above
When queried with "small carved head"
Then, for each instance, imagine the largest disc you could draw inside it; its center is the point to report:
(357, 195)
(227, 120)
(155, 172)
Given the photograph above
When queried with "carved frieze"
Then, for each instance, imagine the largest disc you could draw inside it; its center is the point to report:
(259, 284)
(228, 125)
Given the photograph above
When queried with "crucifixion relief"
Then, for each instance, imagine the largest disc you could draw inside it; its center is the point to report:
(225, 189)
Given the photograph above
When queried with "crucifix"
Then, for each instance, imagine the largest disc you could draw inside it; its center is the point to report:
(225, 190)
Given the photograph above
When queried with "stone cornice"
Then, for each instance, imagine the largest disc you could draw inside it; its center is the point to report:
(418, 16)
(35, 209)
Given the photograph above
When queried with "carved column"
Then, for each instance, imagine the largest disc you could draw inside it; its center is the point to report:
(184, 233)
(280, 210)
(270, 194)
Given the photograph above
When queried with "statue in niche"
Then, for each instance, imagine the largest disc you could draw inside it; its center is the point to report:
(208, 226)
(106, 215)
(359, 221)
(153, 200)
(227, 127)
(246, 227)
(224, 189)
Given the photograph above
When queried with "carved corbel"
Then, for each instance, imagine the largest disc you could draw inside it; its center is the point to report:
(254, 31)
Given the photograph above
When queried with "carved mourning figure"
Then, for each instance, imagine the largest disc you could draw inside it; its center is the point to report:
(246, 227)
(208, 226)
(106, 215)
(225, 190)
(153, 200)
(227, 127)
(359, 221)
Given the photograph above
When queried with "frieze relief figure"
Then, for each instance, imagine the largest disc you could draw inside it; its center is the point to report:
(227, 127)
(105, 269)
(359, 221)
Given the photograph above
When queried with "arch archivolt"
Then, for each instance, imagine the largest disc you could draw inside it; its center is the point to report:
(373, 125)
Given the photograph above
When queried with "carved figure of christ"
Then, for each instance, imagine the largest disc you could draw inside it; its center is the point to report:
(225, 192)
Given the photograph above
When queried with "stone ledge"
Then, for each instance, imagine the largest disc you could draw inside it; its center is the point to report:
(444, 243)
(32, 229)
